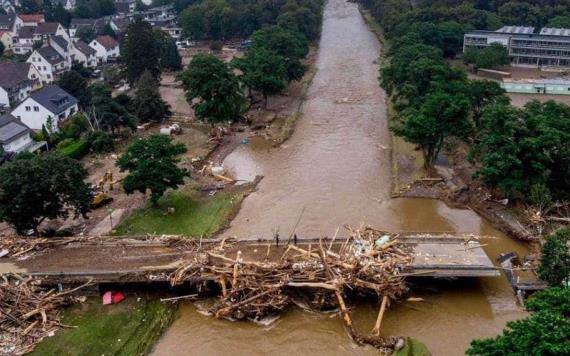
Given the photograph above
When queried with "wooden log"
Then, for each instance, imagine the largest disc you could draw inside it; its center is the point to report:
(312, 285)
(376, 329)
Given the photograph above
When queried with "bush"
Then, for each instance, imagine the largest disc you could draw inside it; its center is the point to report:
(101, 141)
(76, 150)
(66, 142)
(75, 127)
(555, 262)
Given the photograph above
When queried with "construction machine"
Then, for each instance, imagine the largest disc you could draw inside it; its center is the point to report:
(100, 193)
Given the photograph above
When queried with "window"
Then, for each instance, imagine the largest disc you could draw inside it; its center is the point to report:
(36, 108)
(28, 108)
(48, 76)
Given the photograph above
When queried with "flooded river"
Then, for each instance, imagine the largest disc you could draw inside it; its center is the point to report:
(334, 170)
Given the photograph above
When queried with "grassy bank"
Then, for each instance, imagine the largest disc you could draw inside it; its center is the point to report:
(129, 328)
(186, 212)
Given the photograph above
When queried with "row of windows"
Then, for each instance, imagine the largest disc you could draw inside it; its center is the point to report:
(36, 108)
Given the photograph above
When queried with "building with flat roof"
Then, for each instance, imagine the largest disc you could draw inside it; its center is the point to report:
(548, 48)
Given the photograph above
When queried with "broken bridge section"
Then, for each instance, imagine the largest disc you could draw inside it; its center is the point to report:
(124, 260)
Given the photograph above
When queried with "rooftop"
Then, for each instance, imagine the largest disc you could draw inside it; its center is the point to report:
(45, 28)
(84, 48)
(54, 99)
(11, 128)
(107, 41)
(50, 55)
(13, 74)
(516, 29)
(32, 17)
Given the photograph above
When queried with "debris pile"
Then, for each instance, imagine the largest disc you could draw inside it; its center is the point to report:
(368, 262)
(28, 313)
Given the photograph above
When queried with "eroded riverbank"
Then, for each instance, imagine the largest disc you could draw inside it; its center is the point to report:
(334, 170)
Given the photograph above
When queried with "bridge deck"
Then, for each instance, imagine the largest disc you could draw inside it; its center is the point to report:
(119, 261)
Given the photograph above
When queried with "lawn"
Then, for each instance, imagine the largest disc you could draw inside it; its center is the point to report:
(195, 214)
(128, 328)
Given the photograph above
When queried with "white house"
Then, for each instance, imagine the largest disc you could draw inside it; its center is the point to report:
(47, 106)
(17, 80)
(26, 36)
(6, 39)
(106, 48)
(84, 54)
(15, 136)
(49, 63)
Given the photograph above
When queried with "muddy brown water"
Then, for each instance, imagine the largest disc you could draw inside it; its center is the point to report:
(336, 170)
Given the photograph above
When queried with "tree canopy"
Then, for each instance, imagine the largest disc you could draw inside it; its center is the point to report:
(147, 104)
(152, 165)
(140, 51)
(42, 187)
(490, 57)
(215, 87)
(555, 261)
(76, 85)
(107, 112)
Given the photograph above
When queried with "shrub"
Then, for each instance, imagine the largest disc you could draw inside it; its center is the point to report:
(76, 150)
(101, 141)
(65, 142)
(75, 127)
(555, 262)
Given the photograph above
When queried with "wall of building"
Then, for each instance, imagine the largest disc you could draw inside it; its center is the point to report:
(18, 144)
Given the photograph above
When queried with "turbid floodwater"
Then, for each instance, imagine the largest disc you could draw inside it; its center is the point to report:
(335, 170)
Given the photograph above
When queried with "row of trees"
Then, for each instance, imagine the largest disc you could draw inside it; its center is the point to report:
(274, 60)
(220, 19)
(517, 150)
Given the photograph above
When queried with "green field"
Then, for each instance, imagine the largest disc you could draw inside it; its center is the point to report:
(195, 214)
(129, 328)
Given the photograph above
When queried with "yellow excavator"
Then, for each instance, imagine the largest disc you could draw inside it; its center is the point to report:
(100, 194)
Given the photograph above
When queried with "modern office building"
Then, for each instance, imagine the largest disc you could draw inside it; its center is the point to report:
(548, 48)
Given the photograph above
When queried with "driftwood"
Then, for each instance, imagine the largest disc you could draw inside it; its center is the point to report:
(28, 312)
(253, 289)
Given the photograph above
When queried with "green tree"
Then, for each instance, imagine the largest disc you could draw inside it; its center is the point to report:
(286, 43)
(152, 165)
(108, 30)
(59, 14)
(139, 51)
(263, 71)
(29, 7)
(1, 49)
(106, 112)
(559, 22)
(169, 57)
(440, 116)
(545, 332)
(216, 88)
(43, 187)
(490, 57)
(100, 141)
(555, 261)
(147, 104)
(482, 93)
(75, 84)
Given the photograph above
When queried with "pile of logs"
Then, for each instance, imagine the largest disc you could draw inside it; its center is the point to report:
(367, 262)
(28, 313)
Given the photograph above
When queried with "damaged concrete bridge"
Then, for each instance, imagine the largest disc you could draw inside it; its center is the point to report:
(154, 259)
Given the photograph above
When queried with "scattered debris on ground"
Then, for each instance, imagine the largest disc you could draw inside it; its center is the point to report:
(28, 313)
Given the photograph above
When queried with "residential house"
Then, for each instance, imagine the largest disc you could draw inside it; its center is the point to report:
(49, 63)
(6, 39)
(173, 31)
(84, 54)
(17, 80)
(120, 25)
(62, 46)
(48, 106)
(96, 26)
(7, 6)
(125, 6)
(28, 35)
(106, 48)
(15, 136)
(8, 23)
(32, 19)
